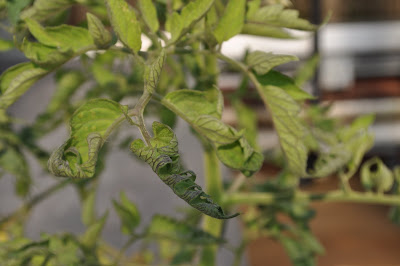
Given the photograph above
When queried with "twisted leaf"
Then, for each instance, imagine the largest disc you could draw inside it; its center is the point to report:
(163, 156)
(90, 126)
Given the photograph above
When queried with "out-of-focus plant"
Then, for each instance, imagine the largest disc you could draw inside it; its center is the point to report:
(176, 76)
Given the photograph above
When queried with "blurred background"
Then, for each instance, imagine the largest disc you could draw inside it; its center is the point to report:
(359, 73)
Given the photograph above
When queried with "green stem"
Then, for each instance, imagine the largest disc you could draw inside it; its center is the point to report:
(333, 196)
(214, 188)
(34, 201)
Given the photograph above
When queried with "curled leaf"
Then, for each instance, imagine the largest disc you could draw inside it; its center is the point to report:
(376, 175)
(163, 157)
(90, 126)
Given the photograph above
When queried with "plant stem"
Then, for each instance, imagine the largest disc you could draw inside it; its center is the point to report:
(333, 196)
(214, 188)
(34, 201)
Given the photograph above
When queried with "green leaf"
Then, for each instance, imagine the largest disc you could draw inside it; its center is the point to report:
(128, 213)
(14, 8)
(152, 73)
(178, 24)
(284, 82)
(93, 233)
(90, 126)
(241, 156)
(307, 70)
(63, 37)
(247, 120)
(162, 155)
(266, 31)
(16, 80)
(231, 22)
(376, 175)
(124, 23)
(292, 133)
(89, 208)
(263, 62)
(276, 15)
(174, 230)
(65, 251)
(44, 56)
(100, 35)
(6, 45)
(203, 110)
(43, 9)
(149, 14)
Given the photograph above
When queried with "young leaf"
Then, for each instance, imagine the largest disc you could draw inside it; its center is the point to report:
(101, 36)
(284, 82)
(202, 110)
(124, 23)
(376, 175)
(177, 24)
(276, 15)
(292, 133)
(152, 73)
(163, 157)
(16, 80)
(128, 213)
(93, 233)
(263, 62)
(231, 22)
(149, 14)
(90, 126)
(174, 230)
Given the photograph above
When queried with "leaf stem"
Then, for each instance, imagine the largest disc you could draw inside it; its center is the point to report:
(213, 181)
(333, 196)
